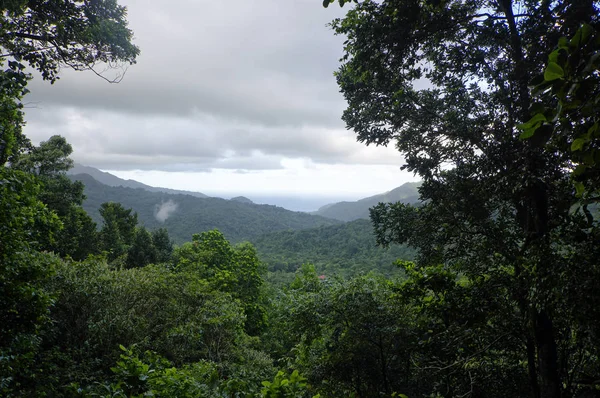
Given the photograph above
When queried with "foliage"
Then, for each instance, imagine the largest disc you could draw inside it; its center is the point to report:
(13, 82)
(142, 251)
(571, 123)
(343, 250)
(24, 301)
(163, 245)
(235, 270)
(449, 83)
(292, 386)
(118, 229)
(175, 314)
(78, 34)
(48, 162)
(32, 195)
(354, 337)
(154, 375)
(48, 159)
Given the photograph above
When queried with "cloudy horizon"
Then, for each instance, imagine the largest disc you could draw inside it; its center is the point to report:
(232, 97)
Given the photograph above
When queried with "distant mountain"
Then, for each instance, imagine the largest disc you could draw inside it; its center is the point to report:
(242, 199)
(349, 211)
(114, 181)
(184, 215)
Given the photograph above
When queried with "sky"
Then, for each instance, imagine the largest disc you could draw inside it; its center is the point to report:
(227, 98)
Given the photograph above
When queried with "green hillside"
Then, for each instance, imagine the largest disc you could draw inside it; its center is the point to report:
(349, 211)
(184, 215)
(345, 250)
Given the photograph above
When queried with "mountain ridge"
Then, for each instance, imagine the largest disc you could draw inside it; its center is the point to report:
(186, 214)
(114, 181)
(350, 211)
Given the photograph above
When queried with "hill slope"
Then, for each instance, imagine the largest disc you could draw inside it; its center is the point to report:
(344, 250)
(184, 215)
(349, 211)
(114, 181)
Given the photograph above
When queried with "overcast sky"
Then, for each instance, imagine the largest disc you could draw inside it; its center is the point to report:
(228, 98)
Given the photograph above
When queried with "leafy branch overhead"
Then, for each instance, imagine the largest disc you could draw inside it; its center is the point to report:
(571, 84)
(83, 35)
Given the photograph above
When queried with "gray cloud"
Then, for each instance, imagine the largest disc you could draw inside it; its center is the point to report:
(240, 85)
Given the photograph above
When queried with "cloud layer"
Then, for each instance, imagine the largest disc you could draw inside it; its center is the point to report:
(241, 85)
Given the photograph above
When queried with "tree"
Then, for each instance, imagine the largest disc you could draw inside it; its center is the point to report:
(24, 302)
(79, 34)
(142, 251)
(47, 35)
(12, 90)
(48, 159)
(235, 270)
(118, 230)
(83, 35)
(449, 83)
(571, 86)
(48, 163)
(163, 244)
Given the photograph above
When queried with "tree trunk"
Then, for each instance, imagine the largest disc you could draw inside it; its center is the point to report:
(532, 368)
(547, 356)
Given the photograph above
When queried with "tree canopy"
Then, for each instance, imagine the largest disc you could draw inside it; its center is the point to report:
(450, 84)
(79, 34)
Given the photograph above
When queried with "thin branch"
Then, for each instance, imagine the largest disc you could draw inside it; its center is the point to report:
(29, 36)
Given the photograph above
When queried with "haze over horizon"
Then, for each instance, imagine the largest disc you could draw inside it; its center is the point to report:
(233, 98)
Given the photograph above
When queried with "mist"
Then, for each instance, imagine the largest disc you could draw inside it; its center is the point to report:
(165, 210)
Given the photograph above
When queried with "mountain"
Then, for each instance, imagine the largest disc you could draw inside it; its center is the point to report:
(114, 181)
(184, 215)
(242, 199)
(343, 250)
(349, 211)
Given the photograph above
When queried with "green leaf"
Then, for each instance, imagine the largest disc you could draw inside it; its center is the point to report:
(563, 42)
(531, 126)
(593, 131)
(582, 34)
(553, 71)
(579, 170)
(527, 134)
(579, 188)
(578, 144)
(536, 120)
(553, 57)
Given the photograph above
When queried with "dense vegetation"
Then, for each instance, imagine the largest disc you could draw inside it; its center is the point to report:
(501, 299)
(341, 250)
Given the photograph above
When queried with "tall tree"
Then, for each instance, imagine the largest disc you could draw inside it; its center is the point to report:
(48, 162)
(46, 35)
(449, 83)
(142, 250)
(118, 231)
(235, 270)
(163, 244)
(24, 303)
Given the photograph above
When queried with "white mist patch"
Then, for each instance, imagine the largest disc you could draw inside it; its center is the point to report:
(165, 210)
